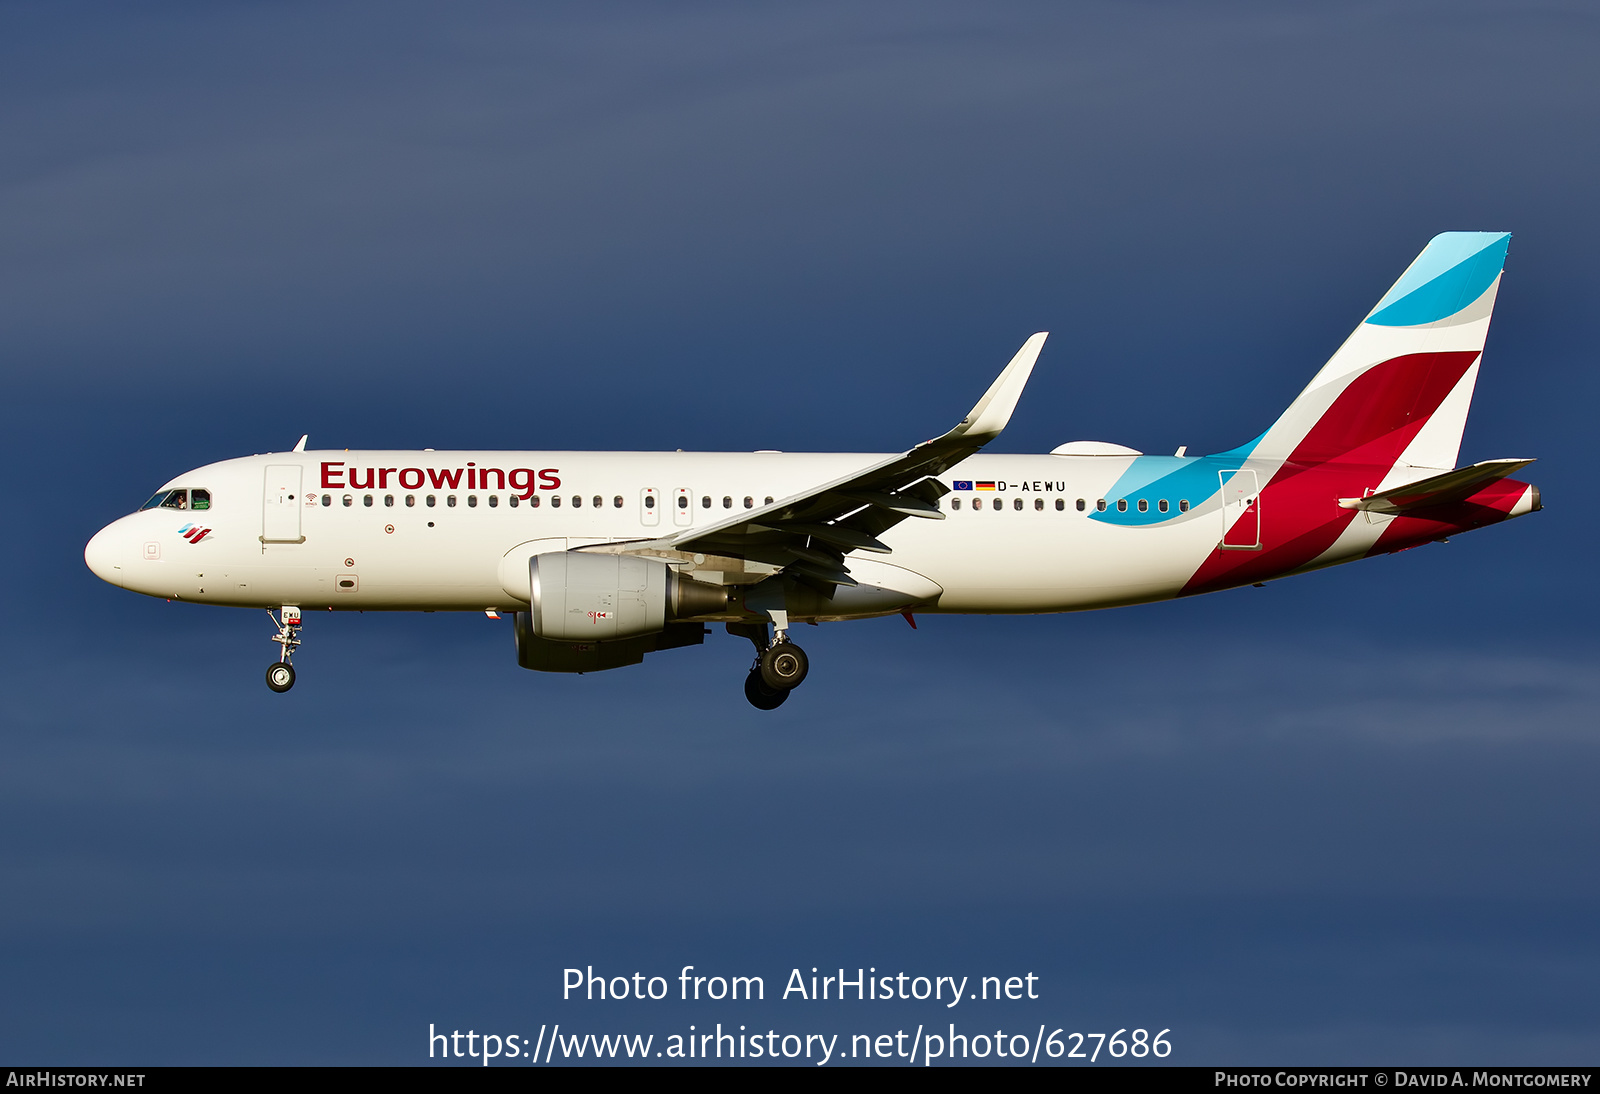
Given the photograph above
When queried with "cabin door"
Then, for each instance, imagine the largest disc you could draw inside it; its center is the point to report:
(281, 503)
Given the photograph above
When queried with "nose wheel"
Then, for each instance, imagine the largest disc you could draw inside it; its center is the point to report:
(280, 674)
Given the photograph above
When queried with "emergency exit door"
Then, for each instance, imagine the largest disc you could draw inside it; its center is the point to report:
(281, 503)
(1241, 511)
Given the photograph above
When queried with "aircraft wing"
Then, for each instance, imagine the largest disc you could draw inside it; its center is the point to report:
(807, 535)
(1442, 489)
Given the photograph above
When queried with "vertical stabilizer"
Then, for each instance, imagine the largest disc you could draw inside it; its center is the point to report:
(1398, 391)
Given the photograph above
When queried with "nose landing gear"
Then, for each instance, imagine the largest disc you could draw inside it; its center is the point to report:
(280, 674)
(780, 665)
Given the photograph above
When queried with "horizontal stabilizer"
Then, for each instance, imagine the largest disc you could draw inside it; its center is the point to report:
(1442, 489)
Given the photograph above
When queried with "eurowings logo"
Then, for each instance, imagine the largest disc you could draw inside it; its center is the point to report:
(194, 533)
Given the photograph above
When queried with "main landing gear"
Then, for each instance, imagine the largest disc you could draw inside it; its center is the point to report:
(779, 668)
(280, 674)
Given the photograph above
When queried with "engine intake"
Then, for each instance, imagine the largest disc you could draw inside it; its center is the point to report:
(595, 598)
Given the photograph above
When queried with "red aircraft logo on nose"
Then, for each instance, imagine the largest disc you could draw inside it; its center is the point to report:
(194, 533)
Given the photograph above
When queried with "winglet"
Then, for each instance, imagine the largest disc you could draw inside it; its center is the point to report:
(300, 445)
(989, 417)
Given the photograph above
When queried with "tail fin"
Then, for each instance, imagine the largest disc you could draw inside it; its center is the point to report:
(1398, 390)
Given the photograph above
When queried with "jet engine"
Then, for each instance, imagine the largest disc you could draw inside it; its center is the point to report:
(595, 612)
(581, 597)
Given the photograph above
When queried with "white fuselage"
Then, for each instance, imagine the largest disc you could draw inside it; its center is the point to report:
(417, 542)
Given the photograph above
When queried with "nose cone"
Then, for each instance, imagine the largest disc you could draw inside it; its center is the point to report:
(104, 554)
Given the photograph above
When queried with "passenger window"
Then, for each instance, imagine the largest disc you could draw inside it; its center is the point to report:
(1183, 505)
(327, 500)
(450, 501)
(683, 501)
(1100, 505)
(411, 500)
(705, 502)
(1081, 506)
(1038, 503)
(348, 501)
(1162, 505)
(1061, 504)
(494, 501)
(599, 501)
(555, 501)
(533, 502)
(749, 503)
(616, 502)
(955, 503)
(388, 501)
(1144, 505)
(513, 501)
(199, 499)
(767, 502)
(649, 501)
(366, 499)
(1016, 503)
(1122, 505)
(577, 501)
(431, 500)
(727, 503)
(472, 501)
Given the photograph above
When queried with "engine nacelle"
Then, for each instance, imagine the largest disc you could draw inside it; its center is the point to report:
(550, 655)
(581, 597)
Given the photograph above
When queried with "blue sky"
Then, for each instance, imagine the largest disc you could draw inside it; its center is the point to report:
(1343, 819)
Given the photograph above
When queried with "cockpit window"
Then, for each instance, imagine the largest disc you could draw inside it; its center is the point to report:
(179, 499)
(168, 499)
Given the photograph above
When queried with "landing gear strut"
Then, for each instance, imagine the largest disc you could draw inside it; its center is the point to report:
(280, 674)
(780, 665)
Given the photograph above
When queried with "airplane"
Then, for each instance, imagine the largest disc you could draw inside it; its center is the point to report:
(600, 558)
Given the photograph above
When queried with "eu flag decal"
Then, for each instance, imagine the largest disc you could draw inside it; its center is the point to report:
(961, 484)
